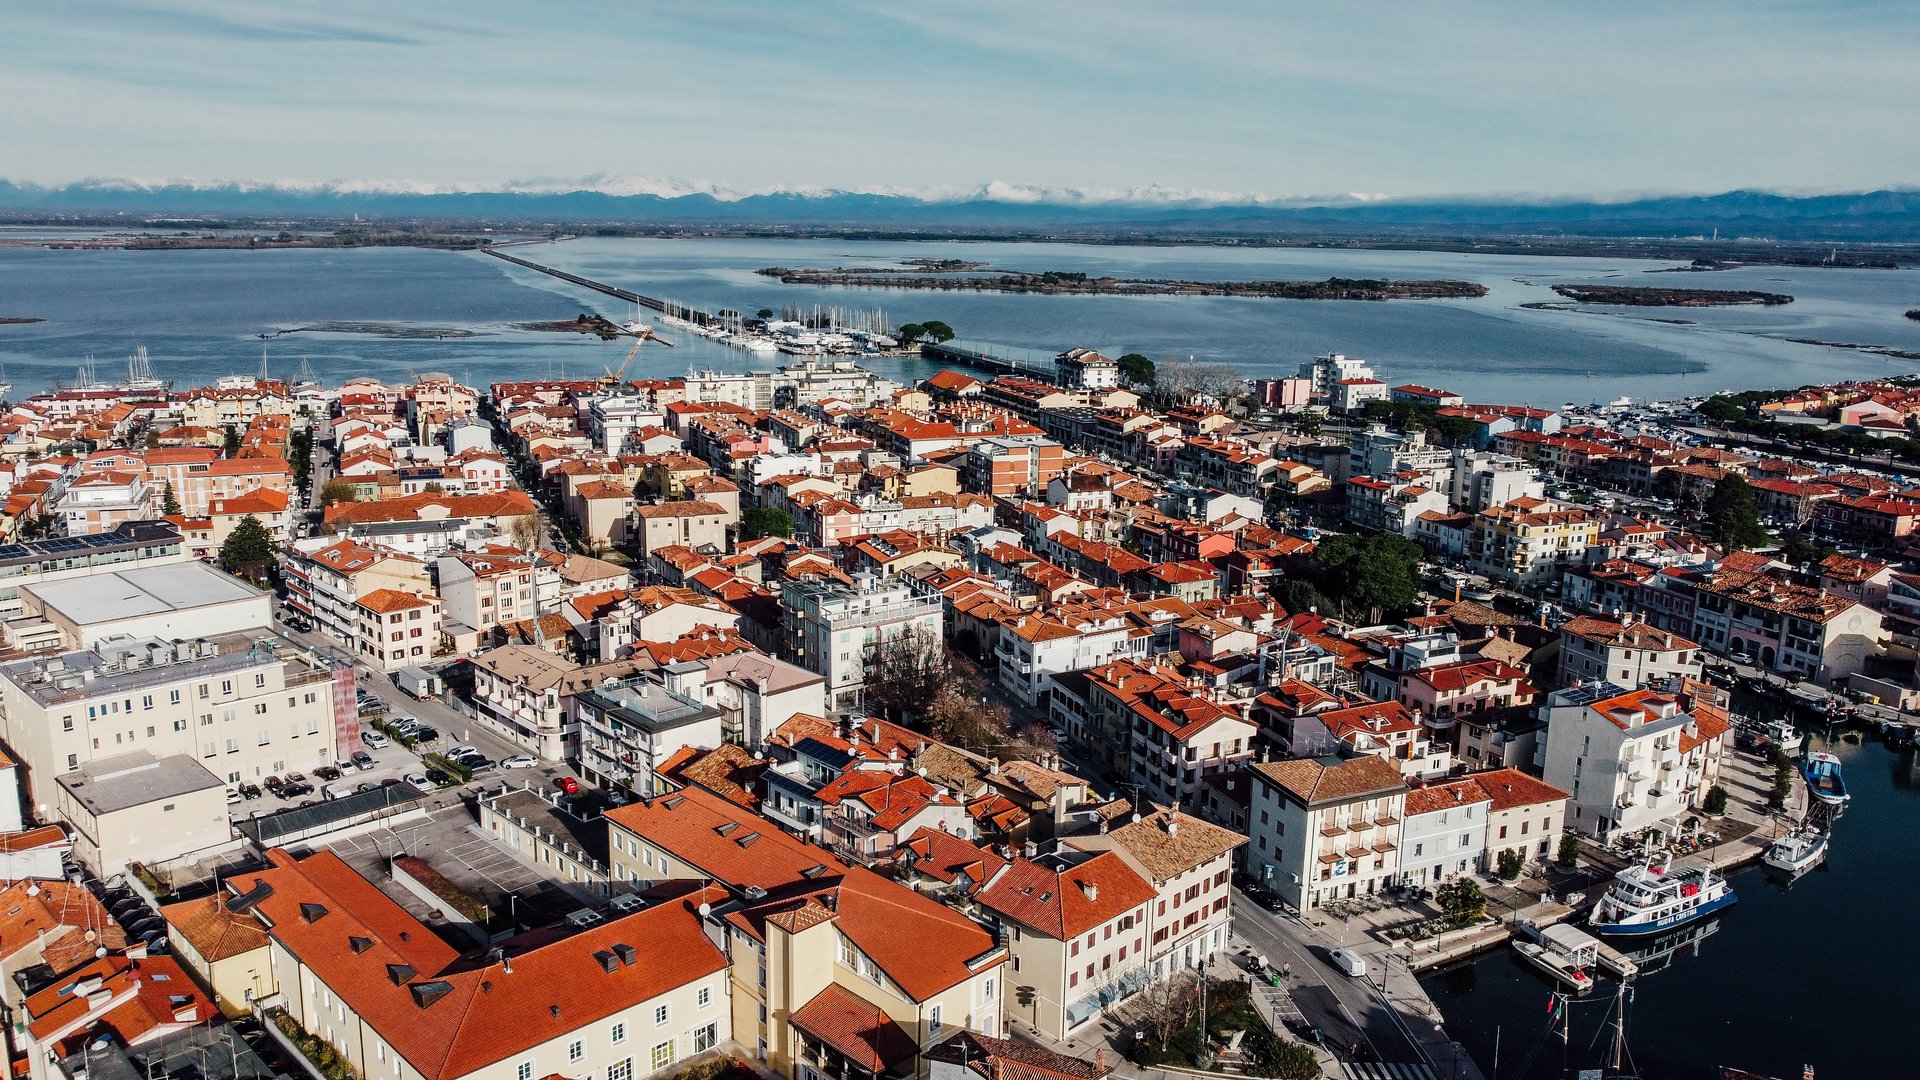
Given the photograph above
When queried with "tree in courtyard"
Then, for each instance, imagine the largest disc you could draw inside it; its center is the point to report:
(765, 521)
(1732, 514)
(338, 490)
(525, 532)
(1136, 368)
(1368, 574)
(1283, 1059)
(1510, 863)
(906, 671)
(1165, 1008)
(1175, 381)
(248, 551)
(230, 441)
(1716, 802)
(169, 502)
(1462, 900)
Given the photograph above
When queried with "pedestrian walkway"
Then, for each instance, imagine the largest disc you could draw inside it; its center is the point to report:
(1388, 1070)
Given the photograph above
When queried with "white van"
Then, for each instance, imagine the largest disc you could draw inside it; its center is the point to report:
(1349, 962)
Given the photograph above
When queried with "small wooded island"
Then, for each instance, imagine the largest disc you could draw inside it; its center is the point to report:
(1633, 296)
(1072, 284)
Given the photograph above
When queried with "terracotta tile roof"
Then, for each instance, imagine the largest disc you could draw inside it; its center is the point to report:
(1064, 903)
(945, 857)
(864, 1033)
(1509, 788)
(1004, 1059)
(61, 911)
(450, 1017)
(386, 601)
(728, 770)
(162, 997)
(1612, 632)
(1426, 800)
(1319, 780)
(215, 932)
(1168, 843)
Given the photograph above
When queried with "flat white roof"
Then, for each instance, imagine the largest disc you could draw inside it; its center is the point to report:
(141, 590)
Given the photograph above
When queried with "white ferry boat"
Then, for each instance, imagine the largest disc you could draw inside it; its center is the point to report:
(1653, 896)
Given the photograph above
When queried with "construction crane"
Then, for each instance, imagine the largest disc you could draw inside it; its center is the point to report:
(612, 377)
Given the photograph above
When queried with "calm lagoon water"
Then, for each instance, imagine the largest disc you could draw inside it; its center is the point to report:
(199, 312)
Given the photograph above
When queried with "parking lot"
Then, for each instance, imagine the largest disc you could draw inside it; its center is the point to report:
(451, 842)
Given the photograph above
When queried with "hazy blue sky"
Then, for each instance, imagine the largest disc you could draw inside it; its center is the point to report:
(1443, 96)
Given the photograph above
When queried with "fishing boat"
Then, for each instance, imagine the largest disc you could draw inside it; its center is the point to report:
(1558, 965)
(1652, 896)
(1821, 770)
(1811, 698)
(1781, 733)
(1797, 852)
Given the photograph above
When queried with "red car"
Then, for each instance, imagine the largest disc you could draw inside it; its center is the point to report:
(567, 784)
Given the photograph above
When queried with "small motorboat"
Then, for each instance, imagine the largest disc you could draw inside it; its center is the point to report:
(1781, 732)
(1556, 964)
(1824, 782)
(1797, 852)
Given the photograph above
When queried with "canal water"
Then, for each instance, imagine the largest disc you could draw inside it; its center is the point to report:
(1817, 973)
(388, 311)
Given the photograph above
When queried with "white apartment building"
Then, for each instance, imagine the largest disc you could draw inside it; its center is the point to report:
(246, 706)
(1630, 758)
(1034, 648)
(1444, 834)
(1325, 828)
(836, 629)
(1625, 651)
(495, 584)
(1483, 479)
(397, 629)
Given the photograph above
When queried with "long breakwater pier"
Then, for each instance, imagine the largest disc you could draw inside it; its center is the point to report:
(680, 311)
(981, 360)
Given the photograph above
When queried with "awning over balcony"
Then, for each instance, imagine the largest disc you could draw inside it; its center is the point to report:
(857, 1030)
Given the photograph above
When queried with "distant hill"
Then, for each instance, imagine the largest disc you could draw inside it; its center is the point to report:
(1888, 216)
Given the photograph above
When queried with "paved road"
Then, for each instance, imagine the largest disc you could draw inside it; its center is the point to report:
(1347, 1011)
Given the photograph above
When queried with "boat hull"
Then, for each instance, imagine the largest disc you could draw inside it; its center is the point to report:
(1668, 922)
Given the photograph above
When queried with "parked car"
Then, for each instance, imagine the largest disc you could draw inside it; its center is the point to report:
(375, 739)
(567, 784)
(519, 761)
(363, 759)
